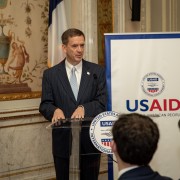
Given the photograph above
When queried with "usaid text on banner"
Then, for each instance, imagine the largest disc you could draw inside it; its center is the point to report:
(153, 105)
(153, 84)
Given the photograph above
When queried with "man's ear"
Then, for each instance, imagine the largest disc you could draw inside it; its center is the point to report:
(64, 48)
(113, 146)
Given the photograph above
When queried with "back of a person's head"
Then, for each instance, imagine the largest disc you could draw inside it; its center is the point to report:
(136, 137)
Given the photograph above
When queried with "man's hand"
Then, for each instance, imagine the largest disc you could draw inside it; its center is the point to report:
(58, 114)
(78, 113)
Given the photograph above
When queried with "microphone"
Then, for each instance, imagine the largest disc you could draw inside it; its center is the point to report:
(95, 82)
(94, 76)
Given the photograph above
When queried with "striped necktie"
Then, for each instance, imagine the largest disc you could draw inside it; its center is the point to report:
(73, 82)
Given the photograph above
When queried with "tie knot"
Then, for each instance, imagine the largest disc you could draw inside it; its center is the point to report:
(73, 69)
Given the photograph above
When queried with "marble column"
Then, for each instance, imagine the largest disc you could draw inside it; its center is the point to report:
(82, 14)
(89, 25)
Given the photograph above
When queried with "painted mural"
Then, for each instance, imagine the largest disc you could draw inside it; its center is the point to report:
(23, 47)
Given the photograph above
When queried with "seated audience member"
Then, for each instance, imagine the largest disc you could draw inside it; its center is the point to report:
(135, 140)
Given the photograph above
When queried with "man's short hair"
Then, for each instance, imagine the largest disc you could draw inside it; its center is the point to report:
(70, 33)
(136, 137)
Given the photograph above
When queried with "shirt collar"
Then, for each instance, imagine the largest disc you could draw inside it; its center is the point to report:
(126, 169)
(70, 66)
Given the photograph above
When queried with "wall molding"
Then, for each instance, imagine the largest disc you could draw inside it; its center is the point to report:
(39, 172)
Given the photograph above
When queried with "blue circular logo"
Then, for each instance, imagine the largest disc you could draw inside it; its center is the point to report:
(153, 84)
(100, 130)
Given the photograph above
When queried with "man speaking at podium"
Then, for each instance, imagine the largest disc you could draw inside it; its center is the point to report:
(74, 88)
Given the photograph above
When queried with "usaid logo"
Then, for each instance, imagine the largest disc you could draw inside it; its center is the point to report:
(100, 130)
(153, 84)
(106, 123)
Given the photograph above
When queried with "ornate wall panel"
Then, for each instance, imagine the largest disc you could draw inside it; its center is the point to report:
(105, 25)
(23, 48)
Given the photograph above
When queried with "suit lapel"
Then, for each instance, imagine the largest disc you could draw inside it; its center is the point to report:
(85, 77)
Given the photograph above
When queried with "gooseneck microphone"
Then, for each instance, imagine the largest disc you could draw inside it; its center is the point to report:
(94, 76)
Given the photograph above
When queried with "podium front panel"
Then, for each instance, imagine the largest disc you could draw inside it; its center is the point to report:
(84, 158)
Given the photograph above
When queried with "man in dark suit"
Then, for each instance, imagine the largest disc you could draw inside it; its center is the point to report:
(59, 102)
(135, 140)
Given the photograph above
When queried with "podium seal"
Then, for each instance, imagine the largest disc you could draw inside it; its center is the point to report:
(100, 130)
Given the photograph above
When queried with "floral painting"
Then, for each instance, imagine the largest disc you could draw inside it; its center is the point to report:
(23, 47)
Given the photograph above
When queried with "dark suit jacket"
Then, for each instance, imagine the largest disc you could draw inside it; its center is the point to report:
(142, 173)
(57, 93)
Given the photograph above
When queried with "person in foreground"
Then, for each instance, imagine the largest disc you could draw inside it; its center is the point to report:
(135, 140)
(59, 101)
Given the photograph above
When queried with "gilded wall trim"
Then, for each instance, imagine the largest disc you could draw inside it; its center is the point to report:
(17, 96)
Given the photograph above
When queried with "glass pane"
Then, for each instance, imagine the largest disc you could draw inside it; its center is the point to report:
(95, 160)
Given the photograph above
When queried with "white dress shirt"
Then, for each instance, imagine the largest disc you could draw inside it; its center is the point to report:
(78, 71)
